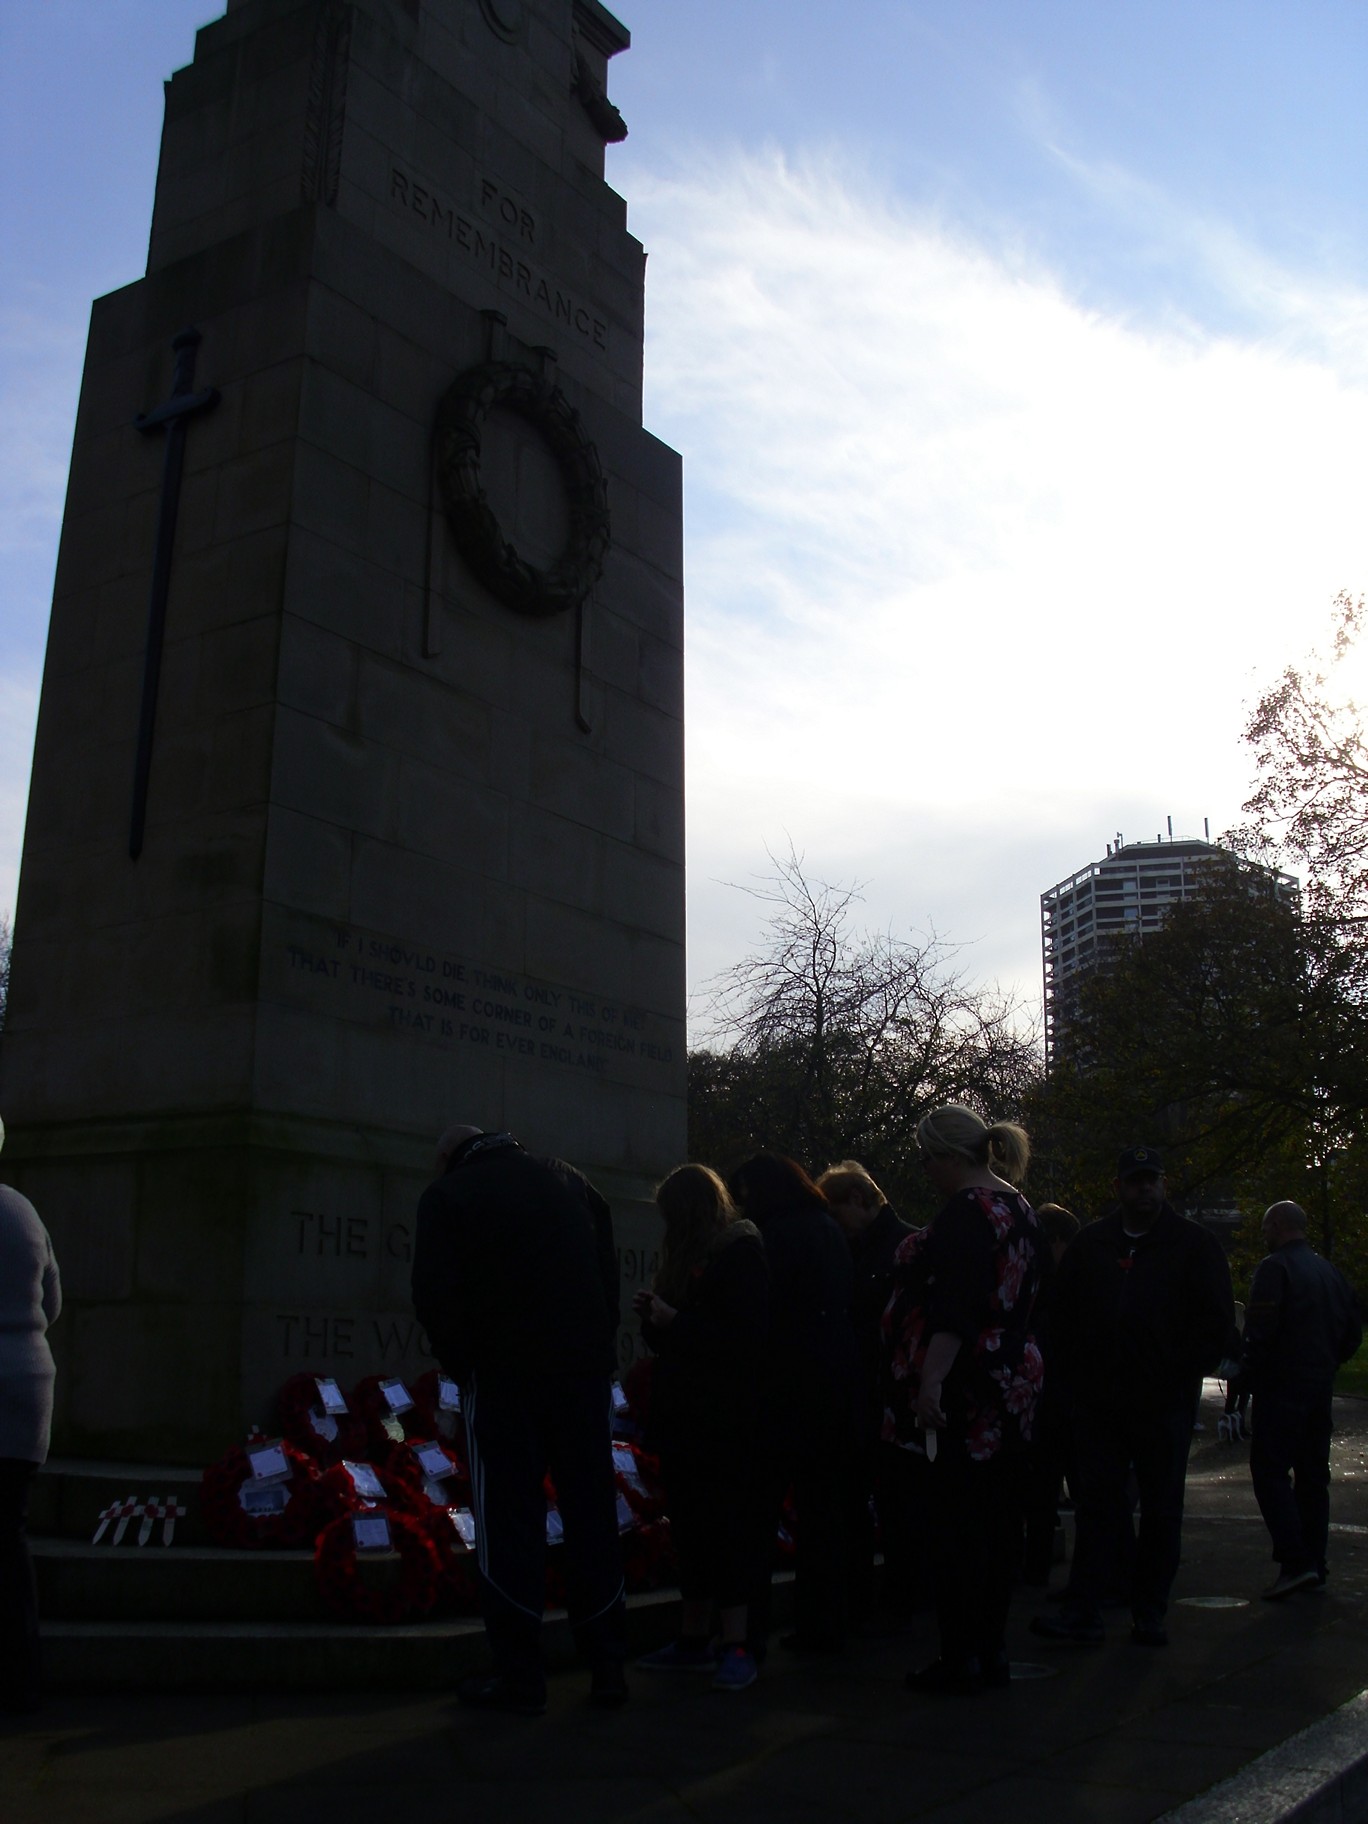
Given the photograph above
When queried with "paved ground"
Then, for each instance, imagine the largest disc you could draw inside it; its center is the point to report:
(1118, 1734)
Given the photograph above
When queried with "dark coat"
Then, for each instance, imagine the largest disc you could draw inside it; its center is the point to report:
(1140, 1321)
(871, 1256)
(812, 1368)
(1302, 1321)
(710, 1359)
(514, 1267)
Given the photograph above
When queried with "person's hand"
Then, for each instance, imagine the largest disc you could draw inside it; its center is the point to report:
(641, 1302)
(930, 1414)
(660, 1314)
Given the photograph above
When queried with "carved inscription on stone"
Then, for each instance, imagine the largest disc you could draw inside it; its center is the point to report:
(456, 1002)
(338, 1336)
(326, 1237)
(503, 250)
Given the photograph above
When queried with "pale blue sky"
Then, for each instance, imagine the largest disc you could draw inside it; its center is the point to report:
(1018, 351)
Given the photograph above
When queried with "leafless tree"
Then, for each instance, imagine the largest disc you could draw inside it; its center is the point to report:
(829, 1041)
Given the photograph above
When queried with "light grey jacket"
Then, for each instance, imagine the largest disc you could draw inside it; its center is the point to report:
(30, 1299)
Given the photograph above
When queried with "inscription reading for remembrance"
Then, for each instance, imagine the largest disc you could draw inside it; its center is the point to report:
(499, 205)
(454, 1001)
(490, 250)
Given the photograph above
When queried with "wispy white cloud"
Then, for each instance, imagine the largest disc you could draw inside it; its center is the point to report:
(1313, 314)
(976, 573)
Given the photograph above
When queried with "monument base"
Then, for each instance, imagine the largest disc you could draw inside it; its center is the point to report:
(206, 1259)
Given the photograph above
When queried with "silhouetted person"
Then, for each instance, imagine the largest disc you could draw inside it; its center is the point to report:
(965, 1377)
(1301, 1322)
(30, 1300)
(707, 1320)
(1142, 1307)
(515, 1280)
(874, 1231)
(808, 1394)
(1048, 1458)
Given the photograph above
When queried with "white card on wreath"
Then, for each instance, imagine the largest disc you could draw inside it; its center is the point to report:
(397, 1396)
(464, 1522)
(435, 1462)
(619, 1398)
(448, 1394)
(371, 1532)
(364, 1480)
(625, 1517)
(260, 1498)
(331, 1395)
(555, 1527)
(268, 1460)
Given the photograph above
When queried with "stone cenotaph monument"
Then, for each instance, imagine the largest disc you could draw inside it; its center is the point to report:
(357, 798)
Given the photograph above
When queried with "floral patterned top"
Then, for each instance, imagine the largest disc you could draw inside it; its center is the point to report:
(974, 1271)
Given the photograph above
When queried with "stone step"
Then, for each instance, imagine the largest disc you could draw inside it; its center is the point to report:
(258, 1656)
(69, 1494)
(282, 1655)
(78, 1581)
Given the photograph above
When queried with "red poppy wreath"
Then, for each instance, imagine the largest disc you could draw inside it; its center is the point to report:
(243, 1507)
(395, 1586)
(325, 1436)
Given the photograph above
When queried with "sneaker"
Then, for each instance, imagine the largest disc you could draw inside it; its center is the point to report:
(737, 1671)
(1069, 1630)
(1286, 1583)
(681, 1656)
(491, 1691)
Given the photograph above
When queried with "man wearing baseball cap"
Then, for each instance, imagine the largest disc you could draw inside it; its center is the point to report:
(1143, 1309)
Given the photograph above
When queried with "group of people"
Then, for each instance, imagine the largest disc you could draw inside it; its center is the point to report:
(806, 1341)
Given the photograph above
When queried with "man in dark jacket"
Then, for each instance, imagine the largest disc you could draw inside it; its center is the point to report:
(1142, 1310)
(1301, 1323)
(515, 1280)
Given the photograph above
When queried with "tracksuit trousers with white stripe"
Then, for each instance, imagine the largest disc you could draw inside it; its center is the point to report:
(516, 1432)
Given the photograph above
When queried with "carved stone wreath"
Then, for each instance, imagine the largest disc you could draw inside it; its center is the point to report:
(461, 416)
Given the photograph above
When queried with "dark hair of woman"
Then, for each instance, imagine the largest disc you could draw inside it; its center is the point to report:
(1058, 1223)
(697, 1209)
(768, 1183)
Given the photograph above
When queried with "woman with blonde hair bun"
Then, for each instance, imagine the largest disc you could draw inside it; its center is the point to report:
(964, 1378)
(957, 1132)
(707, 1320)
